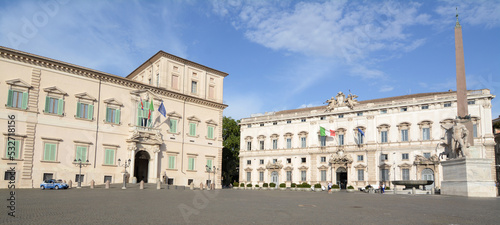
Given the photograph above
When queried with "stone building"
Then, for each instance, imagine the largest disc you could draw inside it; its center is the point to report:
(496, 131)
(370, 142)
(65, 113)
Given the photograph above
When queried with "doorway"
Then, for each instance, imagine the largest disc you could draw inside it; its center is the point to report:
(342, 177)
(428, 174)
(141, 166)
(275, 178)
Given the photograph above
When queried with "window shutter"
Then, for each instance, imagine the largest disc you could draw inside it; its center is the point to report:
(117, 116)
(53, 153)
(25, 100)
(10, 98)
(47, 103)
(60, 106)
(91, 112)
(78, 108)
(139, 114)
(47, 152)
(107, 115)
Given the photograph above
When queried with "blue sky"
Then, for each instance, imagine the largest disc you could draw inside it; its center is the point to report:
(279, 54)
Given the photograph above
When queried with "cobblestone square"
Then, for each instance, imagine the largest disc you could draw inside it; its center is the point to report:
(170, 206)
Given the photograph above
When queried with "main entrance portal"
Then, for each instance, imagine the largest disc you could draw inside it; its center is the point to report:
(275, 178)
(141, 166)
(342, 177)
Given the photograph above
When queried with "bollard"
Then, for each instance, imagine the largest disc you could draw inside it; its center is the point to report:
(70, 184)
(413, 191)
(158, 184)
(92, 184)
(191, 186)
(212, 186)
(201, 186)
(141, 185)
(107, 184)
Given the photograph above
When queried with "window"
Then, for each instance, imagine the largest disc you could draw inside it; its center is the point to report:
(194, 87)
(341, 116)
(261, 145)
(303, 160)
(341, 139)
(211, 92)
(109, 158)
(275, 123)
(17, 99)
(249, 145)
(406, 174)
(360, 158)
(426, 133)
(323, 175)
(323, 159)
(288, 175)
(209, 164)
(249, 162)
(54, 105)
(261, 176)
(383, 136)
(302, 120)
(79, 177)
(49, 152)
(425, 107)
(275, 144)
(10, 175)
(171, 162)
(191, 162)
(359, 114)
(12, 148)
(322, 118)
(48, 176)
(85, 111)
(249, 176)
(404, 135)
(384, 157)
(288, 121)
(405, 156)
(262, 124)
(81, 153)
(192, 129)
(175, 82)
(447, 104)
(112, 115)
(173, 126)
(322, 140)
(289, 160)
(108, 178)
(275, 160)
(471, 102)
(303, 176)
(261, 162)
(427, 155)
(210, 132)
(360, 138)
(157, 80)
(383, 111)
(361, 174)
(190, 181)
(249, 125)
(404, 109)
(150, 81)
(384, 174)
(288, 143)
(303, 142)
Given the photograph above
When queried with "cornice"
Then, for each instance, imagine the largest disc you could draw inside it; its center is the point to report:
(65, 67)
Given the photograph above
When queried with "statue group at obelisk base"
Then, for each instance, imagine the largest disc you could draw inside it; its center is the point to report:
(467, 171)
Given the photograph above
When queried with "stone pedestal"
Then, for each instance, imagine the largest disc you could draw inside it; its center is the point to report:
(469, 177)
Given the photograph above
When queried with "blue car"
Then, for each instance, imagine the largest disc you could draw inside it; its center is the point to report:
(53, 184)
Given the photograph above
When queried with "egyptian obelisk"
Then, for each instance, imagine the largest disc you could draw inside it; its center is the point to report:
(462, 106)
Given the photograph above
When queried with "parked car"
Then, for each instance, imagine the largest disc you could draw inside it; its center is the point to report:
(53, 184)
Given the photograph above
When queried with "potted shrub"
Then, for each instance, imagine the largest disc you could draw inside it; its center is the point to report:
(293, 187)
(242, 186)
(265, 186)
(272, 186)
(256, 187)
(335, 188)
(350, 188)
(283, 186)
(249, 186)
(307, 187)
(317, 187)
(236, 185)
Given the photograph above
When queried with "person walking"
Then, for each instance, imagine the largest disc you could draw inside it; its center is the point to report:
(383, 188)
(330, 187)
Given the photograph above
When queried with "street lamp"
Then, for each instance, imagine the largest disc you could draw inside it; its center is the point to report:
(79, 161)
(127, 164)
(209, 170)
(215, 170)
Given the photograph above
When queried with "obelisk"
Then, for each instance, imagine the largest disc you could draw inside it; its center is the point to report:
(462, 104)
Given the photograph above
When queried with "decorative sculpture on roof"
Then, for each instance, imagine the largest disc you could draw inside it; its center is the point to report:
(340, 100)
(454, 140)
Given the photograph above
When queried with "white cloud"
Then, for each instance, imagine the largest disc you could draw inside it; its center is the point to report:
(386, 88)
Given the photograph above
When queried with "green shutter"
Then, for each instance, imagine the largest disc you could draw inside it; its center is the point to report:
(109, 157)
(10, 98)
(46, 155)
(47, 104)
(91, 112)
(139, 114)
(173, 126)
(190, 163)
(53, 153)
(209, 163)
(171, 162)
(16, 150)
(192, 129)
(117, 116)
(60, 106)
(107, 115)
(78, 108)
(25, 100)
(210, 132)
(81, 153)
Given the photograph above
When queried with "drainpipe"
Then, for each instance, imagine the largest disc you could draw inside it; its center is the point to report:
(97, 127)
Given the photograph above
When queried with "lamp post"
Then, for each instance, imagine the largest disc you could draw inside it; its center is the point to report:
(125, 165)
(79, 161)
(209, 170)
(215, 170)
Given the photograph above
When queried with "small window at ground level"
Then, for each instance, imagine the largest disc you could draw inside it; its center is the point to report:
(107, 178)
(10, 175)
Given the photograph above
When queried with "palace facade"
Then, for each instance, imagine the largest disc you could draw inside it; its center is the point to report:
(372, 141)
(66, 114)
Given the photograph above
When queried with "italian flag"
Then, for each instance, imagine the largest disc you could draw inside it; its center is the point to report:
(151, 109)
(326, 132)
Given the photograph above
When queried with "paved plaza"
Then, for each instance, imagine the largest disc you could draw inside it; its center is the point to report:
(168, 206)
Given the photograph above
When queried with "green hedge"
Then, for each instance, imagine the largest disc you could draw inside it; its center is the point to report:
(318, 185)
(242, 185)
(265, 185)
(282, 185)
(249, 185)
(350, 187)
(236, 184)
(335, 186)
(294, 185)
(272, 185)
(256, 185)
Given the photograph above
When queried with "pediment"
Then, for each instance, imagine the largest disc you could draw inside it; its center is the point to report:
(146, 138)
(248, 169)
(323, 167)
(405, 165)
(113, 101)
(55, 90)
(288, 168)
(194, 118)
(210, 121)
(18, 82)
(86, 96)
(146, 94)
(360, 166)
(174, 114)
(385, 166)
(261, 169)
(303, 168)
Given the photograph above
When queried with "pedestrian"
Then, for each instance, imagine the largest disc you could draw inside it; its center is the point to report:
(330, 187)
(383, 188)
